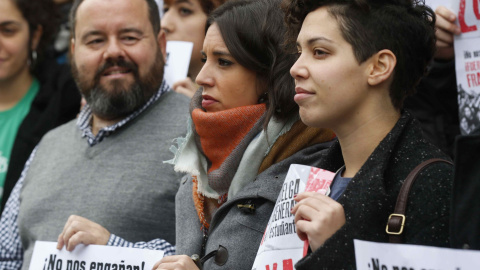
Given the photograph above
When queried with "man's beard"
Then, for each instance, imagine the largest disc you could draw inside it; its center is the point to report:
(120, 100)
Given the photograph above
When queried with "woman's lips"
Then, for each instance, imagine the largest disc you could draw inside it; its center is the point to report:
(302, 94)
(208, 101)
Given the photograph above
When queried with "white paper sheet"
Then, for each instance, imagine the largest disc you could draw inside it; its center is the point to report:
(467, 64)
(385, 256)
(281, 248)
(178, 60)
(436, 3)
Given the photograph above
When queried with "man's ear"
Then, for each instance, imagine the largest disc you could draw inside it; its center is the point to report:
(382, 65)
(162, 43)
(72, 46)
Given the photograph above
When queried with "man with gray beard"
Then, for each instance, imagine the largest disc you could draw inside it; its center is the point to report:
(106, 166)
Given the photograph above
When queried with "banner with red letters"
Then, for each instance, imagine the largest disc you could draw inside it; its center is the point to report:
(281, 248)
(467, 63)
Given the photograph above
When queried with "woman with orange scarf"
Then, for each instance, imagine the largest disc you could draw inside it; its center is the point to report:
(244, 134)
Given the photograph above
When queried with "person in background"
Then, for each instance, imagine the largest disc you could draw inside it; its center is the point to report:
(61, 43)
(185, 20)
(244, 132)
(105, 165)
(36, 94)
(435, 103)
(352, 75)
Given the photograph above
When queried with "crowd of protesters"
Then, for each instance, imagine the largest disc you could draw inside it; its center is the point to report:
(195, 168)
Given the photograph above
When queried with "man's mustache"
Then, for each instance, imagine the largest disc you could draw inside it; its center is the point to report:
(116, 63)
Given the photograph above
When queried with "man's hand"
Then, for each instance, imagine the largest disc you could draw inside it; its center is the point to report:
(177, 262)
(317, 217)
(186, 87)
(445, 30)
(81, 230)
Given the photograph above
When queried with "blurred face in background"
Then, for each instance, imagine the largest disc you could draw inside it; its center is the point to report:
(185, 20)
(15, 45)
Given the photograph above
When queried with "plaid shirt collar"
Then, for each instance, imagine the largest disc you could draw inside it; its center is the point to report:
(83, 121)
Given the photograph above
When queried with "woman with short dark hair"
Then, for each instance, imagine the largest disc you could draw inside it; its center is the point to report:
(354, 69)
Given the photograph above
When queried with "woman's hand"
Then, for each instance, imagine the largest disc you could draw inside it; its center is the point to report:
(177, 262)
(186, 87)
(445, 30)
(81, 230)
(317, 218)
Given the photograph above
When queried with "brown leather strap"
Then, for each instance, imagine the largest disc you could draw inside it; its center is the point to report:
(396, 221)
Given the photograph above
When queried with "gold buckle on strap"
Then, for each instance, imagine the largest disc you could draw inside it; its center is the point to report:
(401, 226)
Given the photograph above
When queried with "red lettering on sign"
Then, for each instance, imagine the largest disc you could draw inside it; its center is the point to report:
(288, 264)
(473, 79)
(475, 9)
(461, 17)
(274, 266)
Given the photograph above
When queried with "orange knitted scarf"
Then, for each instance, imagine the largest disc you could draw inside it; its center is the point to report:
(223, 137)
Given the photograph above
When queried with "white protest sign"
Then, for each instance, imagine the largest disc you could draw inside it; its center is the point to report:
(178, 61)
(281, 248)
(93, 257)
(436, 3)
(467, 64)
(386, 256)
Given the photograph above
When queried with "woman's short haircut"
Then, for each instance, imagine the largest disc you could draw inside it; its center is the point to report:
(405, 27)
(253, 31)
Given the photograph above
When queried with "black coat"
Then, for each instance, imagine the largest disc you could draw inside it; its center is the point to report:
(435, 105)
(465, 221)
(371, 195)
(57, 102)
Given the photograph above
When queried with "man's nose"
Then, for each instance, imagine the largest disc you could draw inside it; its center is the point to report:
(114, 50)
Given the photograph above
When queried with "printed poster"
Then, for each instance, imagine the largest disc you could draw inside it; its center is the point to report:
(386, 256)
(281, 248)
(467, 64)
(433, 4)
(178, 61)
(46, 256)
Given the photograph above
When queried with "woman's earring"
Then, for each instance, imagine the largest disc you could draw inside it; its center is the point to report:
(263, 98)
(34, 57)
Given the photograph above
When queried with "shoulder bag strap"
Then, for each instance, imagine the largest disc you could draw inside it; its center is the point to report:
(396, 221)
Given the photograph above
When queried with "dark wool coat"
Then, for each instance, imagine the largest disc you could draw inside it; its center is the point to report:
(435, 105)
(57, 102)
(371, 195)
(238, 230)
(465, 221)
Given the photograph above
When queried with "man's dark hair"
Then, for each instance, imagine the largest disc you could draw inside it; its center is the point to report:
(153, 15)
(405, 27)
(253, 32)
(40, 13)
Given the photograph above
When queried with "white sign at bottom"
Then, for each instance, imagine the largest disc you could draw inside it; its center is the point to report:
(385, 256)
(93, 257)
